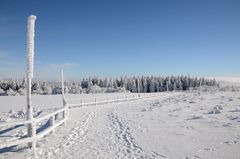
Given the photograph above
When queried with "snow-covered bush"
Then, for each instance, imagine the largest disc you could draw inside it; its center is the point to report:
(36, 88)
(2, 92)
(75, 89)
(21, 91)
(115, 90)
(57, 90)
(95, 89)
(46, 89)
(10, 92)
(208, 88)
(19, 114)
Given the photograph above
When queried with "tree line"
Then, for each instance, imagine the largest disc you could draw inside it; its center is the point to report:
(143, 84)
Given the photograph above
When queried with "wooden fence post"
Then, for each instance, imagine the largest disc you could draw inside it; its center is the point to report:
(96, 101)
(31, 128)
(33, 135)
(52, 122)
(63, 90)
(65, 104)
(81, 102)
(56, 116)
(64, 114)
(107, 100)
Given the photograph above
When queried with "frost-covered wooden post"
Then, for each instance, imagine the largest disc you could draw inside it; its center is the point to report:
(56, 116)
(52, 122)
(138, 88)
(65, 113)
(31, 128)
(95, 100)
(107, 100)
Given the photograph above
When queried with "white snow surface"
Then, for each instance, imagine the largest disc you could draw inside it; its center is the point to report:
(173, 125)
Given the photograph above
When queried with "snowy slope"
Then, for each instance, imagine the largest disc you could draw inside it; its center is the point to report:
(173, 125)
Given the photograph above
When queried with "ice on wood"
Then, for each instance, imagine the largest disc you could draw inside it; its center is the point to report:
(30, 45)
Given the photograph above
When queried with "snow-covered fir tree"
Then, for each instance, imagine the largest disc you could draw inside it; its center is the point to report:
(146, 84)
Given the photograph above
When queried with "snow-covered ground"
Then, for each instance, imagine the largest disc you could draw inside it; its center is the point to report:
(172, 125)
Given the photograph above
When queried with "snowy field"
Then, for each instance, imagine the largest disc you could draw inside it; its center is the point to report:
(173, 125)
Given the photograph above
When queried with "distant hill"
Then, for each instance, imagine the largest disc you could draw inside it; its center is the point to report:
(227, 80)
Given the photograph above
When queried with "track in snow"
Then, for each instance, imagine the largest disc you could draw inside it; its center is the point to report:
(77, 135)
(129, 147)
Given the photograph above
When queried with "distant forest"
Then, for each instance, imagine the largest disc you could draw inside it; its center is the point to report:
(144, 84)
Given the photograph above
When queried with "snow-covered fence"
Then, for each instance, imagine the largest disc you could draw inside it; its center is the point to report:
(36, 136)
(106, 100)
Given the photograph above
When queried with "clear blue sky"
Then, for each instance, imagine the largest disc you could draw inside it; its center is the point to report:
(118, 37)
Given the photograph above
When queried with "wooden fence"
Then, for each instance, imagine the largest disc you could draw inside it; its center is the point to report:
(52, 118)
(107, 100)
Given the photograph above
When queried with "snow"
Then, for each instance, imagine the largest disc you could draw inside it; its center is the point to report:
(172, 125)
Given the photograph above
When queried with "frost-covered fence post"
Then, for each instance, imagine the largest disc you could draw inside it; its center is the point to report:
(81, 102)
(65, 113)
(107, 100)
(95, 100)
(117, 100)
(52, 122)
(138, 88)
(31, 128)
(56, 116)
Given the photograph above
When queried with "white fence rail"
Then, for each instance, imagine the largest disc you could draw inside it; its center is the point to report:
(106, 100)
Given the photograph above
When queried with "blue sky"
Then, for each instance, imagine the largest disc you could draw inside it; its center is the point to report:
(122, 37)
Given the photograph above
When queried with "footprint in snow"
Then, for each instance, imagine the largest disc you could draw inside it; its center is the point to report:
(234, 110)
(194, 117)
(209, 149)
(155, 154)
(216, 110)
(157, 104)
(232, 141)
(188, 127)
(230, 99)
(227, 125)
(191, 102)
(234, 118)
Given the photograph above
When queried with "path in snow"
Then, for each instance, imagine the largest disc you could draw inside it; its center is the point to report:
(98, 133)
